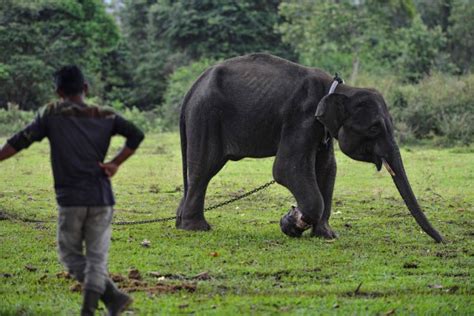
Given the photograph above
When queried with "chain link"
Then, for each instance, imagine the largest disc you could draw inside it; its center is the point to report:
(164, 219)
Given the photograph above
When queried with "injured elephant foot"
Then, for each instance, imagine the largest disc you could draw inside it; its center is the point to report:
(323, 230)
(192, 224)
(292, 224)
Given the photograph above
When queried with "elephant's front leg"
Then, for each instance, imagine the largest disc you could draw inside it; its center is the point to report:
(297, 174)
(325, 175)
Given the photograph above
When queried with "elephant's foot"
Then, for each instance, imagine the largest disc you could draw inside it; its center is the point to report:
(192, 224)
(292, 224)
(324, 230)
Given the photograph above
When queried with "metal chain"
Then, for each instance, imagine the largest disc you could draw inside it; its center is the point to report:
(165, 219)
(240, 197)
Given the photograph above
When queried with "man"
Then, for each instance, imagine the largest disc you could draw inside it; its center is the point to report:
(79, 137)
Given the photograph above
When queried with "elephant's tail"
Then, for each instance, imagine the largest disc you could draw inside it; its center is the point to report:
(184, 145)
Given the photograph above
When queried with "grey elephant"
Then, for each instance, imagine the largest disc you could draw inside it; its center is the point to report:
(260, 105)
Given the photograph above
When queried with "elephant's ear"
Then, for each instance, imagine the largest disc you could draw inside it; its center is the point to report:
(332, 112)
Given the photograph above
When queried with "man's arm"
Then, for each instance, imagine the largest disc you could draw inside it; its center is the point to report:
(111, 168)
(7, 151)
(134, 137)
(34, 132)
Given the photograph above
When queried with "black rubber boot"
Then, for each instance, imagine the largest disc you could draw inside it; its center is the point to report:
(90, 303)
(115, 300)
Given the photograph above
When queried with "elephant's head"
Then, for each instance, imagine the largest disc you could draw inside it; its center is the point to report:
(359, 120)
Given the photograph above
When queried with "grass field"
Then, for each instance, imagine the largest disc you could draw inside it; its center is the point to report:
(381, 264)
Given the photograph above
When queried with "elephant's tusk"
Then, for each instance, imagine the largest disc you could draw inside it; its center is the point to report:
(387, 166)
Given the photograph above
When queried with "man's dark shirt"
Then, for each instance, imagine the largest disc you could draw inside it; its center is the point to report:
(79, 137)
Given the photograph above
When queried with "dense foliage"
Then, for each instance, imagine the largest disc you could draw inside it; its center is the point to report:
(144, 54)
(164, 35)
(379, 37)
(37, 37)
(178, 84)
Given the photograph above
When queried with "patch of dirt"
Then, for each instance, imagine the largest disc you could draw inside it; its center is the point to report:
(154, 188)
(64, 275)
(446, 254)
(117, 278)
(31, 268)
(134, 274)
(135, 283)
(367, 294)
(361, 293)
(76, 287)
(158, 287)
(410, 265)
(3, 216)
(203, 276)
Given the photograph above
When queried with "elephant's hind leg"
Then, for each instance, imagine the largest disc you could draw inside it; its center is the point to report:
(204, 160)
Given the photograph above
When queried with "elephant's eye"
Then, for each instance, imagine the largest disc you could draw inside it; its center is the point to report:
(374, 129)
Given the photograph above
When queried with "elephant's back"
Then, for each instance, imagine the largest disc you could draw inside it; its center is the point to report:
(246, 99)
(255, 78)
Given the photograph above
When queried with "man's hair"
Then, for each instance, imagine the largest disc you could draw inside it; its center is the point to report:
(70, 80)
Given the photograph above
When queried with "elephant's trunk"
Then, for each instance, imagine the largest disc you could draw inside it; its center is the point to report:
(397, 171)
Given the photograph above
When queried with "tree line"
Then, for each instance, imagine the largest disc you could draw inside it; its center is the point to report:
(145, 53)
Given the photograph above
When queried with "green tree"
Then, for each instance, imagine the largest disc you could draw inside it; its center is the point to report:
(461, 35)
(178, 85)
(163, 35)
(378, 37)
(38, 37)
(216, 28)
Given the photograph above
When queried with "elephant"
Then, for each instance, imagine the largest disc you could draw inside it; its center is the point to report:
(260, 105)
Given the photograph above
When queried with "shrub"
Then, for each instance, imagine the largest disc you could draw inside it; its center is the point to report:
(440, 108)
(13, 120)
(178, 84)
(147, 121)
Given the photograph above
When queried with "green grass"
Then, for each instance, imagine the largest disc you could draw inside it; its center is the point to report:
(258, 270)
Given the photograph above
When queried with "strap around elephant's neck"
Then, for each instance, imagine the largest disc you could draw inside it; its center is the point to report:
(337, 80)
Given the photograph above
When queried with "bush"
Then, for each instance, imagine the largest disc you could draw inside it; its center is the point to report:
(13, 120)
(440, 108)
(178, 84)
(147, 121)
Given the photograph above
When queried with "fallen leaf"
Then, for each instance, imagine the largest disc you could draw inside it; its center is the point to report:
(155, 274)
(63, 275)
(76, 287)
(117, 277)
(452, 289)
(145, 243)
(203, 276)
(30, 268)
(214, 254)
(134, 274)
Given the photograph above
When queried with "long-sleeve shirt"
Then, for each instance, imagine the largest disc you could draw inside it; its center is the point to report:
(79, 137)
